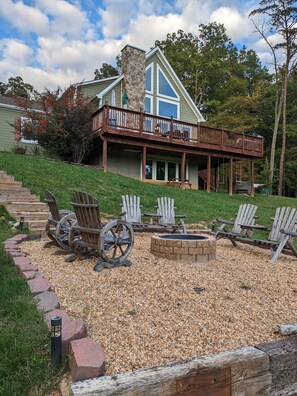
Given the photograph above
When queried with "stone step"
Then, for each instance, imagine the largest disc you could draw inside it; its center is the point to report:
(4, 176)
(8, 180)
(20, 197)
(36, 223)
(12, 187)
(30, 215)
(27, 207)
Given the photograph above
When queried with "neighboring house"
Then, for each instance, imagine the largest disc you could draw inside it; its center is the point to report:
(9, 112)
(147, 127)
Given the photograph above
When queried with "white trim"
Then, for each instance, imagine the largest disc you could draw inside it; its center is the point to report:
(177, 98)
(177, 81)
(13, 107)
(177, 104)
(109, 87)
(91, 82)
(151, 66)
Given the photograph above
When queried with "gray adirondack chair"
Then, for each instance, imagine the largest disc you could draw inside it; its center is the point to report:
(167, 216)
(281, 233)
(246, 215)
(131, 209)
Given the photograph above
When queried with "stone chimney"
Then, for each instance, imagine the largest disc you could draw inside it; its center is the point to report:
(133, 69)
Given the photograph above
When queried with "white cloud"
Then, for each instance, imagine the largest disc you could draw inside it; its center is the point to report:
(16, 51)
(23, 17)
(66, 18)
(68, 49)
(237, 25)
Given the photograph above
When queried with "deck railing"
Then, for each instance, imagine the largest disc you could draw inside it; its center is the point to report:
(135, 124)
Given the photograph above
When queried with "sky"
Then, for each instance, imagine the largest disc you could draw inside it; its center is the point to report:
(51, 43)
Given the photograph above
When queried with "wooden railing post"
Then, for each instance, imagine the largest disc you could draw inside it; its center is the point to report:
(141, 122)
(105, 118)
(198, 134)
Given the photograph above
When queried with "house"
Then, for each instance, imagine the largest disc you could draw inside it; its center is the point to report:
(9, 112)
(147, 127)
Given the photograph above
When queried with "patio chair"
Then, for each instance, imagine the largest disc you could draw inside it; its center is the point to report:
(167, 217)
(131, 209)
(280, 236)
(246, 215)
(111, 242)
(59, 222)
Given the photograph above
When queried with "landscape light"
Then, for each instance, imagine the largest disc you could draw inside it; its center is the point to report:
(56, 340)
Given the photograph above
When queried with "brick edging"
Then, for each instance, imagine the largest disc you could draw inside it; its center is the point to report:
(87, 359)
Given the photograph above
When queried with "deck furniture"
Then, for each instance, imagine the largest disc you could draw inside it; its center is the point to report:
(167, 217)
(245, 215)
(59, 222)
(111, 242)
(131, 209)
(280, 236)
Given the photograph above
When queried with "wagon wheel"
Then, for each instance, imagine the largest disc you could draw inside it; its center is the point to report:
(116, 241)
(50, 229)
(62, 230)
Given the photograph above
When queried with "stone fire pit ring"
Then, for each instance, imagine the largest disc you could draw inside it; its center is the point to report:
(184, 247)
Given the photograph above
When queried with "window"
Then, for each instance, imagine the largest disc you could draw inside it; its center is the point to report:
(149, 170)
(148, 109)
(25, 121)
(160, 170)
(171, 170)
(149, 79)
(164, 86)
(168, 109)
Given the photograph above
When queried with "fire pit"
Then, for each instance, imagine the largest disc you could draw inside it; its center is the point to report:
(187, 247)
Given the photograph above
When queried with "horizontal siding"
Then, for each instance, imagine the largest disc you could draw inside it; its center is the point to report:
(118, 95)
(7, 116)
(93, 89)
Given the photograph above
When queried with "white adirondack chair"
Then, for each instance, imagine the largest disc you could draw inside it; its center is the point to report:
(131, 209)
(166, 211)
(245, 215)
(281, 233)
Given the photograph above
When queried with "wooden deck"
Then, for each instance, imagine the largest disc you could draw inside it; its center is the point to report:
(141, 126)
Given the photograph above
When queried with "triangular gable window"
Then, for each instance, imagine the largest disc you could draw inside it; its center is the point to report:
(164, 86)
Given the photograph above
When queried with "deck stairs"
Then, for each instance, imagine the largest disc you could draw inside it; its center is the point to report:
(19, 201)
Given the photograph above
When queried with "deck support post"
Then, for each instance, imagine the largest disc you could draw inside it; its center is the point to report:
(252, 179)
(231, 177)
(217, 179)
(183, 169)
(143, 164)
(104, 159)
(208, 182)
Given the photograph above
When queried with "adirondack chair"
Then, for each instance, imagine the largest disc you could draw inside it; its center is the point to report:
(280, 235)
(167, 216)
(131, 209)
(111, 242)
(245, 215)
(59, 222)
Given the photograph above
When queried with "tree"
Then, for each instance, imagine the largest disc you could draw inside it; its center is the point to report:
(282, 20)
(17, 87)
(63, 127)
(107, 70)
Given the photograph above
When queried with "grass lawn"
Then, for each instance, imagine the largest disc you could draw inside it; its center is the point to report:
(25, 362)
(63, 179)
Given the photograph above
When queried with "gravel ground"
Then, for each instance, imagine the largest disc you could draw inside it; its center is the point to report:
(149, 313)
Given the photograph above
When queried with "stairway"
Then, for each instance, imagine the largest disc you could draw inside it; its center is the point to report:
(19, 201)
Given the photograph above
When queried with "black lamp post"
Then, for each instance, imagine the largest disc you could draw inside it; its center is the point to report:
(56, 340)
(21, 224)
